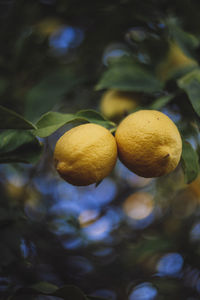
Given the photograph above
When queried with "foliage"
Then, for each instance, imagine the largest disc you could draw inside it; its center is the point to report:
(49, 77)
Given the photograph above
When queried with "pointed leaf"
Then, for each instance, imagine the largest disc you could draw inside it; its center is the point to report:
(160, 102)
(70, 292)
(190, 83)
(189, 161)
(185, 40)
(49, 91)
(11, 120)
(93, 116)
(41, 288)
(52, 121)
(44, 287)
(19, 146)
(129, 76)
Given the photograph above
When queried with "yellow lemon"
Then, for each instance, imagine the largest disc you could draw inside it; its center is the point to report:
(139, 205)
(14, 191)
(175, 61)
(149, 143)
(85, 154)
(114, 104)
(47, 26)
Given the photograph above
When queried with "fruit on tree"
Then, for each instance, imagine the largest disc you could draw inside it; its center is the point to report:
(149, 143)
(115, 104)
(85, 154)
(175, 61)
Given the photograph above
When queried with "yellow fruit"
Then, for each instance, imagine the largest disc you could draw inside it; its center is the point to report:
(47, 26)
(88, 217)
(85, 154)
(175, 61)
(115, 104)
(14, 191)
(149, 143)
(139, 205)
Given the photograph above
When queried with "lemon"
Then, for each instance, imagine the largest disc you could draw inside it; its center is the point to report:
(138, 205)
(115, 104)
(48, 26)
(175, 61)
(85, 154)
(149, 143)
(14, 191)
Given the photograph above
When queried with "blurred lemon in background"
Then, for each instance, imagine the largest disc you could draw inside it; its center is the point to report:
(88, 217)
(14, 191)
(138, 205)
(115, 104)
(175, 60)
(85, 154)
(48, 25)
(149, 143)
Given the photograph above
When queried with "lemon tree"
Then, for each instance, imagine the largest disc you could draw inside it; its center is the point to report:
(83, 84)
(138, 80)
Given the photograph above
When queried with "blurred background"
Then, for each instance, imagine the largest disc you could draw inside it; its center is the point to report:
(130, 237)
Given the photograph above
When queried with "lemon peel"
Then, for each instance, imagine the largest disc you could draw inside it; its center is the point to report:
(85, 154)
(115, 104)
(149, 143)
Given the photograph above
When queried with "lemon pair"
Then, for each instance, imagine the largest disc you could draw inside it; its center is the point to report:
(147, 142)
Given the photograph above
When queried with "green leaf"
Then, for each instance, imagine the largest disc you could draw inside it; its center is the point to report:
(160, 102)
(125, 75)
(185, 40)
(44, 287)
(11, 120)
(93, 116)
(190, 83)
(144, 249)
(19, 146)
(189, 161)
(49, 91)
(70, 292)
(52, 121)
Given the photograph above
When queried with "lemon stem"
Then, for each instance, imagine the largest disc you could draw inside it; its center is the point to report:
(112, 130)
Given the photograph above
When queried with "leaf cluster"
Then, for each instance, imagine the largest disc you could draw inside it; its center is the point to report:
(44, 288)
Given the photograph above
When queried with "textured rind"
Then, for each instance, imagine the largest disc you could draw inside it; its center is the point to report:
(149, 143)
(85, 154)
